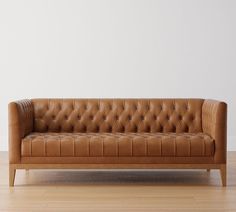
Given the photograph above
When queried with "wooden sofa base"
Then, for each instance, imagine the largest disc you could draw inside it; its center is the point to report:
(208, 167)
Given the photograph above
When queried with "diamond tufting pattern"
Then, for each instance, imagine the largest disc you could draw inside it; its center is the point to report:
(118, 115)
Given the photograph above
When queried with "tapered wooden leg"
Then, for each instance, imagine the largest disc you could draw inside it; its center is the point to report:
(208, 170)
(223, 173)
(12, 173)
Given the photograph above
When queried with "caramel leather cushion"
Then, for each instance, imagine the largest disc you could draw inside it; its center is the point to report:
(117, 144)
(117, 115)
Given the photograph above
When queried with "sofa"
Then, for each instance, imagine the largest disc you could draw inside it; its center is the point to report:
(117, 134)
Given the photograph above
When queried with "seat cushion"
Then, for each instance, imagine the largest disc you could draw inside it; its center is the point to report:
(117, 145)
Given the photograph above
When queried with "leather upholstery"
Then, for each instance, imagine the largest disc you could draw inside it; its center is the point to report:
(117, 131)
(129, 115)
(20, 124)
(117, 144)
(214, 123)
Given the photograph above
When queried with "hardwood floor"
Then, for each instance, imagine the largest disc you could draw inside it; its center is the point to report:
(95, 191)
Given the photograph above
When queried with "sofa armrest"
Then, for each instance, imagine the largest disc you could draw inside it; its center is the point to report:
(214, 123)
(20, 123)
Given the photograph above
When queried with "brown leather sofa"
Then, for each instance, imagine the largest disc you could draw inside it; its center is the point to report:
(117, 133)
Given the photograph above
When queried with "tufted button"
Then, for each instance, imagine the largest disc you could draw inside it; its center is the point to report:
(66, 117)
(53, 117)
(129, 117)
(148, 129)
(109, 129)
(109, 107)
(185, 107)
(142, 118)
(78, 117)
(167, 117)
(174, 128)
(180, 117)
(116, 117)
(161, 128)
(103, 117)
(192, 118)
(91, 117)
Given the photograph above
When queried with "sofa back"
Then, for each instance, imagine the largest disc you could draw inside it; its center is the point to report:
(118, 115)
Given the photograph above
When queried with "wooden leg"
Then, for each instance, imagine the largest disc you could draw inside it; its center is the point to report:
(12, 173)
(223, 174)
(208, 170)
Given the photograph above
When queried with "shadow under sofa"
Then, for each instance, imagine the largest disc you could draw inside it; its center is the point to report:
(117, 134)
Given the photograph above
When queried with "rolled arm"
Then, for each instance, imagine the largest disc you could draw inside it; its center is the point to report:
(20, 115)
(214, 123)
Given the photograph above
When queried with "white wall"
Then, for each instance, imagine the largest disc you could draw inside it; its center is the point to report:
(121, 48)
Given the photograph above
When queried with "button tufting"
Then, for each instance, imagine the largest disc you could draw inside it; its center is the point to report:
(110, 129)
(126, 113)
(161, 128)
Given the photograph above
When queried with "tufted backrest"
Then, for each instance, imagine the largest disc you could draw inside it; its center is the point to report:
(117, 115)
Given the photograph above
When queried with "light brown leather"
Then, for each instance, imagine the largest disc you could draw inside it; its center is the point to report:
(117, 145)
(20, 124)
(117, 130)
(214, 123)
(118, 115)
